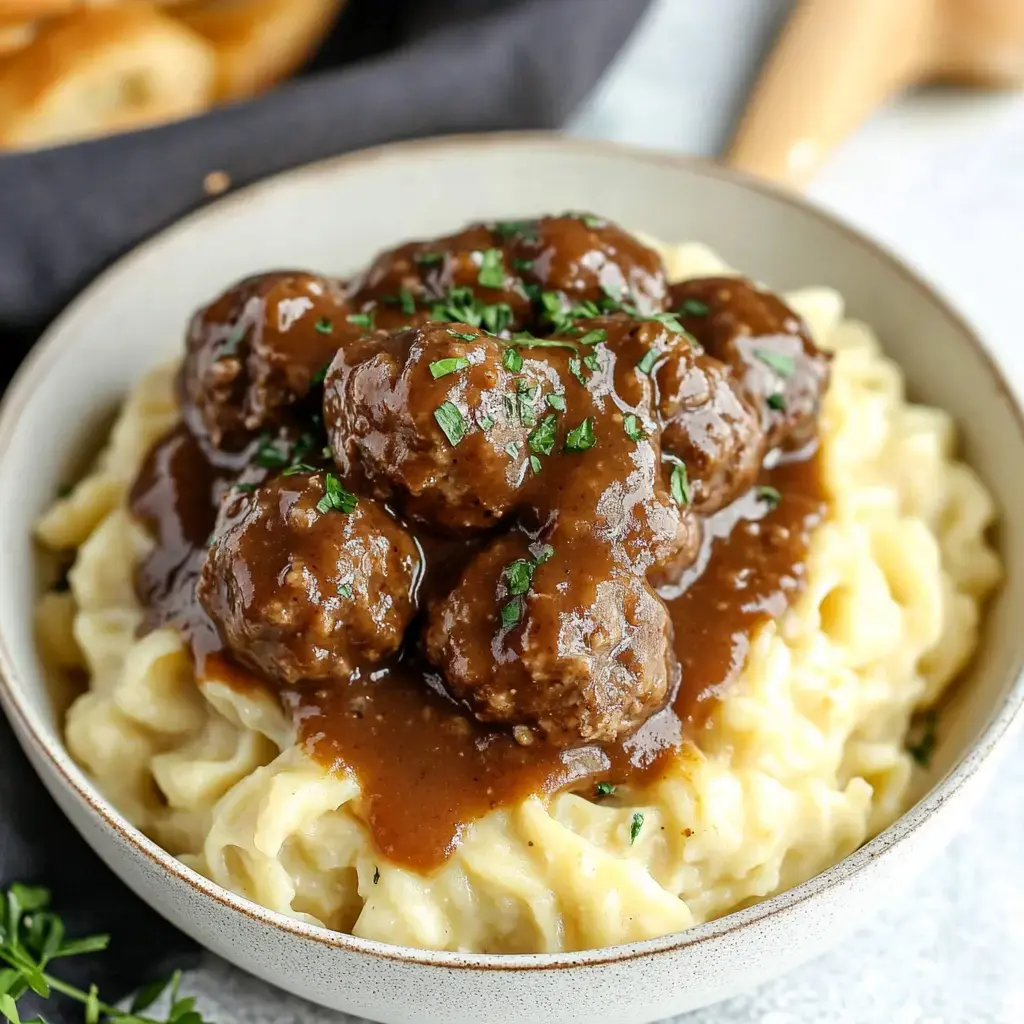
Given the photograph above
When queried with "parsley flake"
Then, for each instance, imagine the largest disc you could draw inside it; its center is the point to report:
(634, 827)
(324, 326)
(784, 365)
(442, 367)
(345, 589)
(426, 259)
(777, 402)
(542, 438)
(694, 307)
(580, 438)
(631, 424)
(245, 488)
(523, 266)
(535, 463)
(669, 320)
(299, 467)
(361, 320)
(679, 484)
(511, 612)
(605, 789)
(512, 450)
(492, 269)
(406, 301)
(591, 362)
(512, 360)
(485, 422)
(557, 402)
(647, 363)
(576, 369)
(450, 420)
(336, 498)
(518, 575)
(770, 496)
(593, 337)
(461, 335)
(508, 228)
(269, 456)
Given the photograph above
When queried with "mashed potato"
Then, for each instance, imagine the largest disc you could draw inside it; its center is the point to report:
(801, 762)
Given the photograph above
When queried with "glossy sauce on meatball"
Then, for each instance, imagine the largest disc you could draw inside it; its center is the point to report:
(506, 528)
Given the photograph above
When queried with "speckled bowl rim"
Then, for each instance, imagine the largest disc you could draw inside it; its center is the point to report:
(46, 352)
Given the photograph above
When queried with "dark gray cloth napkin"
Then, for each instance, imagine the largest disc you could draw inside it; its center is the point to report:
(392, 69)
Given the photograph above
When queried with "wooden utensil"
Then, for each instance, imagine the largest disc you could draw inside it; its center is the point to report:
(839, 60)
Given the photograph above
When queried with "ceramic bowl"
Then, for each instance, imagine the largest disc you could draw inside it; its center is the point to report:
(333, 216)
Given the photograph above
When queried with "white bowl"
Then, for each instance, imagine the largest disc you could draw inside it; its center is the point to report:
(332, 216)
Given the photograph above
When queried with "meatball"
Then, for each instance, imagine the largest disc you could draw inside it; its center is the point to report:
(768, 347)
(588, 259)
(710, 425)
(564, 642)
(256, 350)
(434, 417)
(304, 581)
(464, 277)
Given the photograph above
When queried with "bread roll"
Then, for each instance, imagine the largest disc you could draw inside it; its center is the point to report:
(103, 69)
(259, 42)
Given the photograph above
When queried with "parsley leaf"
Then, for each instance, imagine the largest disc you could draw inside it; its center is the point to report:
(492, 269)
(646, 364)
(557, 402)
(462, 335)
(591, 361)
(694, 307)
(324, 326)
(450, 420)
(523, 228)
(511, 612)
(679, 484)
(361, 320)
(518, 575)
(535, 463)
(442, 367)
(593, 337)
(631, 424)
(336, 498)
(770, 496)
(406, 301)
(576, 369)
(580, 438)
(426, 259)
(777, 402)
(634, 827)
(605, 789)
(512, 360)
(784, 365)
(542, 438)
(669, 320)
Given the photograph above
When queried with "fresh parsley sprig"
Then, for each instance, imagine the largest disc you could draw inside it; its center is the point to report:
(32, 936)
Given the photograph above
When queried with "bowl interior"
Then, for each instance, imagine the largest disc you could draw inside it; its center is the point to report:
(332, 217)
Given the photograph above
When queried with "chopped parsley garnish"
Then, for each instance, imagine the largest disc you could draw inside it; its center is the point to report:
(523, 266)
(320, 375)
(557, 402)
(588, 219)
(694, 307)
(462, 335)
(425, 259)
(634, 431)
(496, 317)
(245, 488)
(324, 326)
(922, 747)
(345, 589)
(512, 449)
(593, 337)
(679, 484)
(268, 456)
(492, 269)
(524, 339)
(576, 369)
(507, 228)
(299, 467)
(406, 301)
(511, 612)
(518, 575)
(442, 367)
(535, 463)
(336, 498)
(542, 437)
(525, 396)
(647, 363)
(784, 365)
(634, 827)
(580, 438)
(605, 789)
(361, 320)
(512, 360)
(770, 496)
(591, 362)
(231, 342)
(670, 321)
(460, 305)
(485, 422)
(450, 420)
(777, 402)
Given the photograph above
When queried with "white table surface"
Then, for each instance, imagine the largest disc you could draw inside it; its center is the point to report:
(939, 177)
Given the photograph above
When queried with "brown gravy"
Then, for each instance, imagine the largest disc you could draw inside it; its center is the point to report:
(425, 767)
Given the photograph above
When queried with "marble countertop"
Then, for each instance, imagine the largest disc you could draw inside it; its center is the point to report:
(938, 177)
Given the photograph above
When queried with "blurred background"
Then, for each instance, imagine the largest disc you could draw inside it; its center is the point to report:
(903, 116)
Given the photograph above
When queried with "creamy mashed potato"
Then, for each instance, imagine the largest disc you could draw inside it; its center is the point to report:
(800, 763)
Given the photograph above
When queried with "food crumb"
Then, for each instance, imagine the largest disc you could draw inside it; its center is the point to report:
(216, 183)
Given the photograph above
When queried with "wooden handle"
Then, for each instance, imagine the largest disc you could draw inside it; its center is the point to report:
(837, 60)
